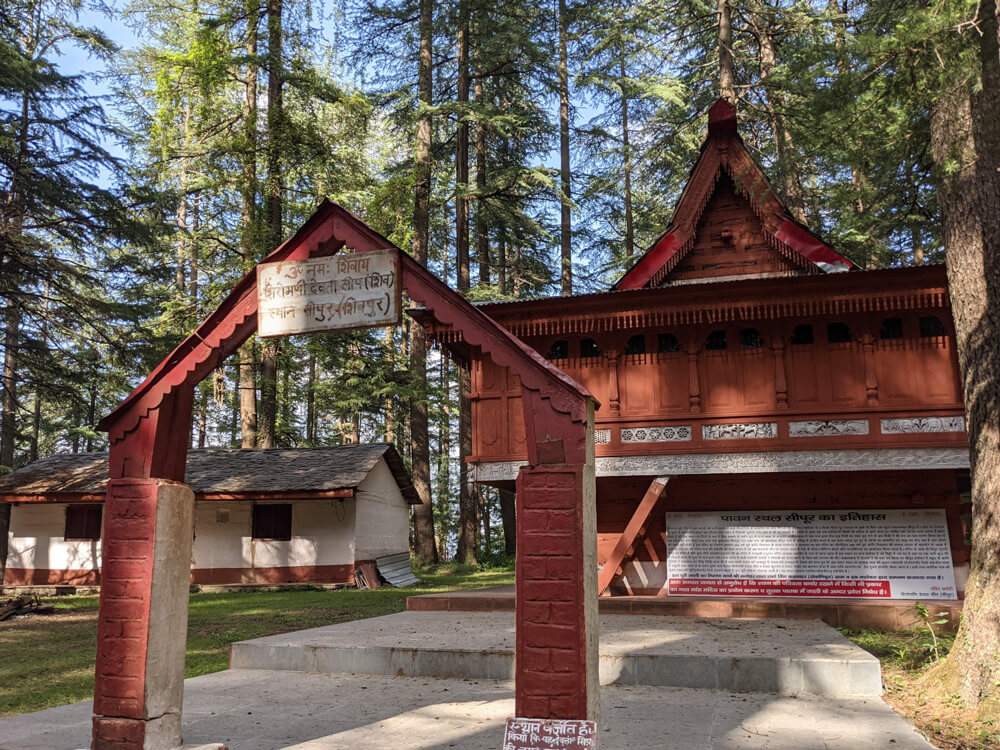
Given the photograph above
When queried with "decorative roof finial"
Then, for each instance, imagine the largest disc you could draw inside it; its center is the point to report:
(722, 118)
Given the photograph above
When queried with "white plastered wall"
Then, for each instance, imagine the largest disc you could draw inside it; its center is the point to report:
(322, 534)
(36, 541)
(383, 518)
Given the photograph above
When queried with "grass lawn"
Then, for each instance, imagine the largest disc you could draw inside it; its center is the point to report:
(906, 657)
(48, 660)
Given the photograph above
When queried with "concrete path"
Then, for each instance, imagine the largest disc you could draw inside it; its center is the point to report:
(262, 710)
(785, 657)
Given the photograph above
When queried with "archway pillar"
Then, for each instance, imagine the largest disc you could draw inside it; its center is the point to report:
(556, 604)
(145, 580)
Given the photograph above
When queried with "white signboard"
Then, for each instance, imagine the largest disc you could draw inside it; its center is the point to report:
(356, 290)
(549, 734)
(869, 554)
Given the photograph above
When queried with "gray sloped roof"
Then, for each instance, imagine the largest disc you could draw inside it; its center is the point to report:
(222, 470)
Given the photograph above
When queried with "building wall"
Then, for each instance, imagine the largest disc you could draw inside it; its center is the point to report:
(321, 549)
(38, 554)
(328, 537)
(382, 526)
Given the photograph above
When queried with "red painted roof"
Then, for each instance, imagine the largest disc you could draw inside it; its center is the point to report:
(724, 150)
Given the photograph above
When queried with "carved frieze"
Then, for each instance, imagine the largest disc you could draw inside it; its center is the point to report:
(826, 427)
(739, 431)
(922, 424)
(758, 462)
(656, 434)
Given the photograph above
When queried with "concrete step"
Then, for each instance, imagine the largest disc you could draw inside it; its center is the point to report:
(782, 657)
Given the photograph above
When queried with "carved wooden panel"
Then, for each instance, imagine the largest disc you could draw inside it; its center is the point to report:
(637, 382)
(729, 240)
(672, 384)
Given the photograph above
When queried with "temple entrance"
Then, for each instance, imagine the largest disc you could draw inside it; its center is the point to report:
(148, 517)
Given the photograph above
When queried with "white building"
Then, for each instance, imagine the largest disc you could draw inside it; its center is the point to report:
(276, 516)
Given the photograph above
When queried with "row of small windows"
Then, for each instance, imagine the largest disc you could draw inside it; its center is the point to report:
(272, 522)
(836, 333)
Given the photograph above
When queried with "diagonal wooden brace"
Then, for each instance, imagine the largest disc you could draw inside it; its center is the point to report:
(636, 526)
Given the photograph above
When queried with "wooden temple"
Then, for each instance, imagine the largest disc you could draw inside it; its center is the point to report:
(743, 365)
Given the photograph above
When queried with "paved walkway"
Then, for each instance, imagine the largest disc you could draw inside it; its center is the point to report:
(263, 710)
(786, 657)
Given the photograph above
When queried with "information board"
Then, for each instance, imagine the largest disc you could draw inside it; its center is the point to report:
(868, 554)
(545, 734)
(355, 290)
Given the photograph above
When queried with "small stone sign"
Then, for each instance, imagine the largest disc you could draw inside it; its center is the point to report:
(546, 734)
(356, 290)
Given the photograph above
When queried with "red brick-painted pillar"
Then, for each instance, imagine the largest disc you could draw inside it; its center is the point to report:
(142, 627)
(557, 626)
(145, 580)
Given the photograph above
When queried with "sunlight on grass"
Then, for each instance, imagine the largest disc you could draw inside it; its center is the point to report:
(49, 661)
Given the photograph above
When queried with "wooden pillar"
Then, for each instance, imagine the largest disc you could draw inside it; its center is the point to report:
(557, 626)
(145, 578)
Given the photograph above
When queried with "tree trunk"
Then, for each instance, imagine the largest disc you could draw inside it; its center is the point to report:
(423, 514)
(8, 416)
(482, 226)
(966, 132)
(92, 413)
(783, 143)
(462, 153)
(565, 228)
(269, 393)
(727, 67)
(311, 400)
(248, 229)
(272, 212)
(626, 159)
(508, 516)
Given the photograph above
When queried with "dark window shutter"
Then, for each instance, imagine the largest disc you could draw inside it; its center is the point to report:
(83, 523)
(272, 522)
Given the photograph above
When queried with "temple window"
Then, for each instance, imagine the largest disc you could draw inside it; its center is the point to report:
(716, 341)
(838, 333)
(803, 334)
(931, 327)
(589, 349)
(751, 339)
(667, 342)
(559, 350)
(892, 328)
(636, 345)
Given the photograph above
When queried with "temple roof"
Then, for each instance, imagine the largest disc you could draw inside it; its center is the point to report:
(221, 471)
(730, 222)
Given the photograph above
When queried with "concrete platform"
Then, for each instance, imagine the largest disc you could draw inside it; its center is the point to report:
(255, 710)
(784, 657)
(839, 613)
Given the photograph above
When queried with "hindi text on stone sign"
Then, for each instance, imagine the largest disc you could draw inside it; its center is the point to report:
(359, 290)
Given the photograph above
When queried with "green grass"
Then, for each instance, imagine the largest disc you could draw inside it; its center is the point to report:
(48, 661)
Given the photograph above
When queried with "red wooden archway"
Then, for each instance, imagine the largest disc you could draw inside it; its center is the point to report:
(148, 510)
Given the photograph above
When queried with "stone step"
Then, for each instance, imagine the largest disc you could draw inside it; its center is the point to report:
(782, 657)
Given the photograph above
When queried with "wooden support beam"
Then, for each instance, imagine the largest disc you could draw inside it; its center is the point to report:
(615, 564)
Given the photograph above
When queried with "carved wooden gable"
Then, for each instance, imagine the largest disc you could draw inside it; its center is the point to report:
(729, 222)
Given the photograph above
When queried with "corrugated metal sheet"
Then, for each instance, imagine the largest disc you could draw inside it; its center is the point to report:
(396, 570)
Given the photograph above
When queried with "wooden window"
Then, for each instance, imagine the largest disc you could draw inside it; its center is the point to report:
(716, 341)
(751, 339)
(559, 350)
(802, 335)
(272, 522)
(83, 523)
(892, 328)
(636, 345)
(838, 333)
(589, 349)
(931, 327)
(667, 342)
